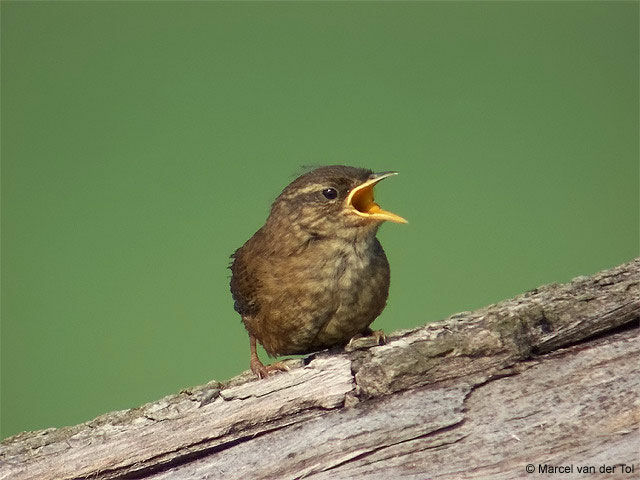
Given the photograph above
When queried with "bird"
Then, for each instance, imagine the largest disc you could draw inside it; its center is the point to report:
(314, 276)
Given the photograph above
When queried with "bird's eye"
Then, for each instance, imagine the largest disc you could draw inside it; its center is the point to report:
(330, 193)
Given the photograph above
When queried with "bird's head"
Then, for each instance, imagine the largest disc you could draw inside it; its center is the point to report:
(332, 201)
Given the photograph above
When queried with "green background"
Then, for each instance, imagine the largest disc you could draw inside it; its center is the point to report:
(143, 142)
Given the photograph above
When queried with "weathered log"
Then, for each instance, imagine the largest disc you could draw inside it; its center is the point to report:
(547, 379)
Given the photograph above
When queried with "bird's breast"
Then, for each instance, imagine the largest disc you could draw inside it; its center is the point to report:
(357, 274)
(350, 261)
(321, 296)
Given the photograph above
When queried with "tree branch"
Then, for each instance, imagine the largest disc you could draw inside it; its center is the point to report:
(546, 378)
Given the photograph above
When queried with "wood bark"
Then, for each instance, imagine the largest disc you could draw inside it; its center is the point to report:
(548, 378)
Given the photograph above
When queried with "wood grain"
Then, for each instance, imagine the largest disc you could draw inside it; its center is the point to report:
(546, 378)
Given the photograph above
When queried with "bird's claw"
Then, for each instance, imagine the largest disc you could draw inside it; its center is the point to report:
(262, 371)
(379, 337)
(371, 339)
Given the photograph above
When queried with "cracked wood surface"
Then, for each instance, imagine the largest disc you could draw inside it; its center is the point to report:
(548, 377)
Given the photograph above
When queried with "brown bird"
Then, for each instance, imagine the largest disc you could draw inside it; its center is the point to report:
(315, 275)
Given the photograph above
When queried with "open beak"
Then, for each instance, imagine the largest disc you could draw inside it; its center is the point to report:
(360, 200)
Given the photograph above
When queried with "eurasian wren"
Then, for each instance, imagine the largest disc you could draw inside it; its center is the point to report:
(315, 275)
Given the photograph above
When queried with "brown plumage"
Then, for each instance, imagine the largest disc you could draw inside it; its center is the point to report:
(315, 275)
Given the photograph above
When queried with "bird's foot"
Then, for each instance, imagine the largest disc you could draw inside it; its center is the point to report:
(379, 337)
(262, 371)
(371, 338)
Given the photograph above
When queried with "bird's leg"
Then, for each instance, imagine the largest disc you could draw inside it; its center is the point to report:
(260, 369)
(378, 335)
(366, 339)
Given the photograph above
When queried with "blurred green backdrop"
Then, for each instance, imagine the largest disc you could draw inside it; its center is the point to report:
(143, 142)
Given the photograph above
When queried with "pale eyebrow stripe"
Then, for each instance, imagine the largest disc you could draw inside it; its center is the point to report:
(311, 188)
